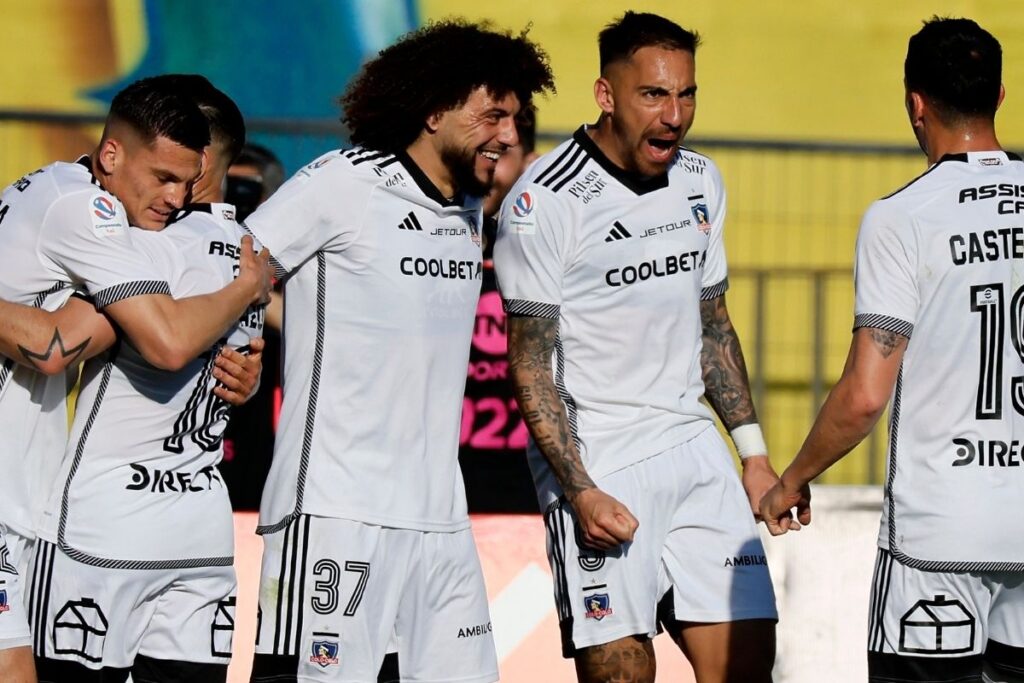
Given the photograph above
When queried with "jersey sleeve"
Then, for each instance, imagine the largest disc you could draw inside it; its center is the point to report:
(86, 235)
(715, 279)
(885, 273)
(314, 211)
(530, 252)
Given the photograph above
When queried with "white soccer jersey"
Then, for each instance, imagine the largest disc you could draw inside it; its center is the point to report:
(139, 486)
(942, 262)
(622, 263)
(383, 280)
(59, 231)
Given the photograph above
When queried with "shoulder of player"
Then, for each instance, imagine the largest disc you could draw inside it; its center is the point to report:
(355, 164)
(556, 170)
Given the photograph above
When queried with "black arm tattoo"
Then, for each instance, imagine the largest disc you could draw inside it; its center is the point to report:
(56, 344)
(886, 342)
(531, 342)
(724, 371)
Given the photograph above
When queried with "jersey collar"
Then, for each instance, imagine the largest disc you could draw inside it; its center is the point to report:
(202, 207)
(993, 158)
(426, 186)
(86, 162)
(639, 184)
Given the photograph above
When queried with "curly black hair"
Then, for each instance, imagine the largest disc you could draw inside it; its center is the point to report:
(435, 69)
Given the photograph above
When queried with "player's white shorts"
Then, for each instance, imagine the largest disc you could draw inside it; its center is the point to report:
(104, 618)
(943, 626)
(13, 615)
(697, 547)
(334, 593)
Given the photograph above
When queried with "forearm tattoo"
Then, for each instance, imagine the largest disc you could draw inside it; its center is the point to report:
(531, 342)
(724, 371)
(56, 345)
(886, 342)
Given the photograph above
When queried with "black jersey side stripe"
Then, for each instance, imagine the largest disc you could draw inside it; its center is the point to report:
(572, 174)
(563, 392)
(302, 580)
(289, 645)
(569, 164)
(557, 162)
(281, 577)
(314, 392)
(45, 590)
(80, 446)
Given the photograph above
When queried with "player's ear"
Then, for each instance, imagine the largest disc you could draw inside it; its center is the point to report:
(433, 121)
(1002, 94)
(916, 106)
(109, 155)
(603, 95)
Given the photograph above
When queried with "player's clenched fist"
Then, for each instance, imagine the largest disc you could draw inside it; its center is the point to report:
(605, 523)
(777, 505)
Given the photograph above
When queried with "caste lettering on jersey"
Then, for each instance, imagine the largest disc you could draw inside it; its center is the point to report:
(139, 485)
(987, 245)
(384, 274)
(622, 262)
(939, 262)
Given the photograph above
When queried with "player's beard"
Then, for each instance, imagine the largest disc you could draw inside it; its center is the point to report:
(461, 163)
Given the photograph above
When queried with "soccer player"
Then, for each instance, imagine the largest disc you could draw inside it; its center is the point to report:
(611, 265)
(135, 553)
(63, 228)
(363, 517)
(939, 328)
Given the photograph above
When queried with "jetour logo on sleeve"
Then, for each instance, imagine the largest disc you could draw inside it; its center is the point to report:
(106, 219)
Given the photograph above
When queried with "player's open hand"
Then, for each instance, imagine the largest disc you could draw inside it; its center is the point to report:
(777, 509)
(238, 374)
(604, 522)
(255, 269)
(758, 478)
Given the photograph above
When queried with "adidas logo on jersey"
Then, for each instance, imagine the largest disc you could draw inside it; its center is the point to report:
(410, 223)
(618, 232)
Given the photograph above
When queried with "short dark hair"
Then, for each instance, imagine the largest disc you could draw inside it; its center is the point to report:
(271, 168)
(435, 69)
(155, 107)
(957, 65)
(634, 30)
(227, 126)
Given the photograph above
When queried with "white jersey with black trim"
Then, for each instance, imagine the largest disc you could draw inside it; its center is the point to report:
(384, 275)
(138, 487)
(941, 262)
(59, 231)
(622, 263)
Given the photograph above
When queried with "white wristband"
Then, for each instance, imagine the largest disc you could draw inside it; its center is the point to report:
(749, 440)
